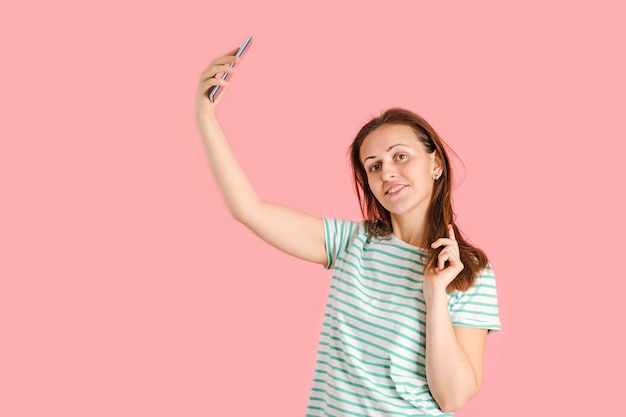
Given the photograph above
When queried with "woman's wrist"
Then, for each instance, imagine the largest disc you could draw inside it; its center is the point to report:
(205, 115)
(436, 296)
(206, 121)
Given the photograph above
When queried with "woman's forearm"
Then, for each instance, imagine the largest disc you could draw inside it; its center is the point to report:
(449, 371)
(236, 189)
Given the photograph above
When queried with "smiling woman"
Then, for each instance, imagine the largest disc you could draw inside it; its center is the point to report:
(417, 162)
(411, 302)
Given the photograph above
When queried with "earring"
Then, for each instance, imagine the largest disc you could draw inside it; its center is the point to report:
(436, 177)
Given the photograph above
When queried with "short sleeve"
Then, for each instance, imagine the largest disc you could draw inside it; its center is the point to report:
(338, 234)
(478, 306)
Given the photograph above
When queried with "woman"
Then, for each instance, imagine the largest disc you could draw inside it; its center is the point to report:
(411, 301)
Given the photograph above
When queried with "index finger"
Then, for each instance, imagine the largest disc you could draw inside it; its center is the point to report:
(228, 57)
(231, 53)
(451, 234)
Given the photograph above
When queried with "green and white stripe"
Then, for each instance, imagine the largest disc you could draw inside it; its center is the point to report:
(371, 352)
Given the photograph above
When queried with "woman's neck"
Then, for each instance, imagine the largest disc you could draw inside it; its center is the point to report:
(411, 229)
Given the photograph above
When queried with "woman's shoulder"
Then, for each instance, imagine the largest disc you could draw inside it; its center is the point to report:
(485, 277)
(337, 225)
(367, 229)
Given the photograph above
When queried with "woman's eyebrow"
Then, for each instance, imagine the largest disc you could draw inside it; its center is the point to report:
(388, 149)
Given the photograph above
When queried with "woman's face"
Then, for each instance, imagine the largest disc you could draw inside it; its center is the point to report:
(400, 171)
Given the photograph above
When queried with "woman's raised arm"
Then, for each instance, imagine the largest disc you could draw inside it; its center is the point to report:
(291, 231)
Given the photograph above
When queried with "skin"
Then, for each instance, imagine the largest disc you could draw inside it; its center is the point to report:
(393, 157)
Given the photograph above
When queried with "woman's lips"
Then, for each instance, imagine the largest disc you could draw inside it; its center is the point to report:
(395, 189)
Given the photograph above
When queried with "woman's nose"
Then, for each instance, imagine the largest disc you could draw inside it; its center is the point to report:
(388, 172)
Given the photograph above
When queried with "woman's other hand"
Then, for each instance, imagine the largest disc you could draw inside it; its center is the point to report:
(441, 274)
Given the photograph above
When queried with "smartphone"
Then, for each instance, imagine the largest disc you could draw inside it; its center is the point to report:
(215, 90)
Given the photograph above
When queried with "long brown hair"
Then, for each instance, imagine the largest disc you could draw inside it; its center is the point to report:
(440, 212)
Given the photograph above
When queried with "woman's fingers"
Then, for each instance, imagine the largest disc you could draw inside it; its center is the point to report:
(453, 260)
(451, 234)
(217, 68)
(208, 78)
(447, 244)
(220, 65)
(230, 53)
(227, 58)
(443, 257)
(443, 241)
(211, 82)
(450, 251)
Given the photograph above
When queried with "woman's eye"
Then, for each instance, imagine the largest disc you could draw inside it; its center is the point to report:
(374, 167)
(402, 156)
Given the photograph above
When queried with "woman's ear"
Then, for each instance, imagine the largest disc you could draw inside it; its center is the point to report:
(437, 164)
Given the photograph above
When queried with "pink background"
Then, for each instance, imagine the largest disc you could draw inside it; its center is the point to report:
(127, 289)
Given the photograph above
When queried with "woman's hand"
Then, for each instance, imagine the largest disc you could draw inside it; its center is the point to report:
(437, 278)
(208, 79)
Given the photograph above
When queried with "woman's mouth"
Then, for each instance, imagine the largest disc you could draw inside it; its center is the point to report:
(395, 189)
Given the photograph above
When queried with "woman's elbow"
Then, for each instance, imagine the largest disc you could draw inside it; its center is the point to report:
(452, 404)
(452, 407)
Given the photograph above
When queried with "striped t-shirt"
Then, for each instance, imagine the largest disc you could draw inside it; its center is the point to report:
(371, 353)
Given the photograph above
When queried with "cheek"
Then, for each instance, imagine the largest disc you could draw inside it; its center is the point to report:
(373, 190)
(425, 171)
(413, 171)
(371, 179)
